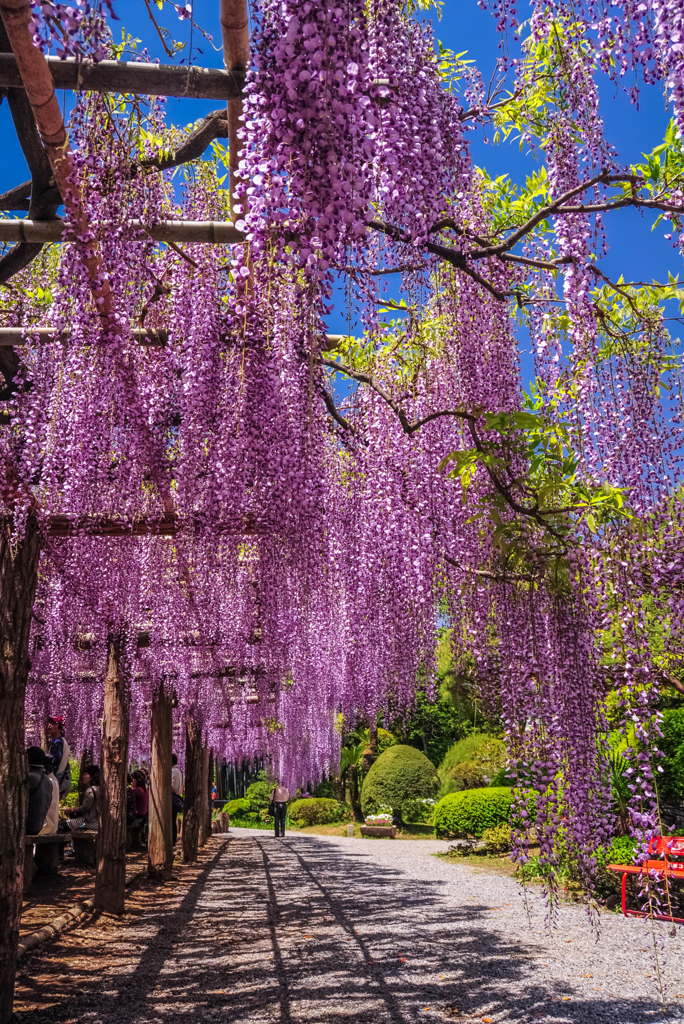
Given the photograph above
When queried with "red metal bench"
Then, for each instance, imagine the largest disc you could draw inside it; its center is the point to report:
(665, 848)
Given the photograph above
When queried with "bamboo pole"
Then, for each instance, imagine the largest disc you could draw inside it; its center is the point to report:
(235, 33)
(126, 77)
(160, 842)
(204, 231)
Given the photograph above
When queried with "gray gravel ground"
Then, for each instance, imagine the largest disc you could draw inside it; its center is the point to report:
(325, 930)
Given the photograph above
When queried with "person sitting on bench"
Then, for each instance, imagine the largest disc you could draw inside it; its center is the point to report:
(87, 815)
(40, 792)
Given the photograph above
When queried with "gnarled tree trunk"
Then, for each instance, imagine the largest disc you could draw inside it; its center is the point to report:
(18, 577)
(194, 790)
(160, 841)
(110, 881)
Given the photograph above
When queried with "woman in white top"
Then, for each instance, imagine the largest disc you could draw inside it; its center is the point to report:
(52, 817)
(279, 797)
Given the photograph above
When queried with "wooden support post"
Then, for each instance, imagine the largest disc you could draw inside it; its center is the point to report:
(204, 800)
(110, 880)
(193, 790)
(18, 578)
(235, 33)
(160, 841)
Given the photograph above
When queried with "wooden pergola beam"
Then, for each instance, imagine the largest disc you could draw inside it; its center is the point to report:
(147, 337)
(127, 77)
(204, 231)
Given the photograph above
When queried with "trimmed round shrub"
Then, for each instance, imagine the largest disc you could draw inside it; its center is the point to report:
(462, 750)
(401, 774)
(468, 775)
(469, 813)
(237, 808)
(316, 811)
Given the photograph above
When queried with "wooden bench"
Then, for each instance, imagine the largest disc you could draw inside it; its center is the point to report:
(85, 847)
(665, 848)
(44, 858)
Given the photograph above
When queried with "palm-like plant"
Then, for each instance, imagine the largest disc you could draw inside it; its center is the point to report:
(619, 784)
(348, 766)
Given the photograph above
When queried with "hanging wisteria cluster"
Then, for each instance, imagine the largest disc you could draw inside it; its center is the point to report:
(318, 542)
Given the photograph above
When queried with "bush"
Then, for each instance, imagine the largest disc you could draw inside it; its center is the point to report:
(620, 851)
(463, 750)
(467, 775)
(498, 839)
(317, 811)
(259, 793)
(237, 808)
(418, 811)
(469, 813)
(671, 780)
(400, 774)
(491, 758)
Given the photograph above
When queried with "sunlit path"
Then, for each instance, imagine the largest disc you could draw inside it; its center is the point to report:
(322, 929)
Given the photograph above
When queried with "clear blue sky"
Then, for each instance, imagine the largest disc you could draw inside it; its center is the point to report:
(635, 251)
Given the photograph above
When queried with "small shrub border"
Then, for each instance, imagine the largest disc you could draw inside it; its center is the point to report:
(472, 811)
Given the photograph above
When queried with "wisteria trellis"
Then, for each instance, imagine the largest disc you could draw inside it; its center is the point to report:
(318, 553)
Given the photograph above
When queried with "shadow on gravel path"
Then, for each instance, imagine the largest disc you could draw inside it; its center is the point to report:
(303, 930)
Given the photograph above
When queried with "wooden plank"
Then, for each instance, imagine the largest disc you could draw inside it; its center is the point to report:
(128, 77)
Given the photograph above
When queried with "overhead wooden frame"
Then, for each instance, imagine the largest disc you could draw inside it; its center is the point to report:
(128, 77)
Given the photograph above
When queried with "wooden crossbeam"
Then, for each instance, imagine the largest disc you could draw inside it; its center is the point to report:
(204, 231)
(160, 526)
(149, 337)
(127, 77)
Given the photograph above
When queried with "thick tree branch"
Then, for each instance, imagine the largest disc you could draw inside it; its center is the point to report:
(214, 126)
(337, 416)
(456, 259)
(410, 428)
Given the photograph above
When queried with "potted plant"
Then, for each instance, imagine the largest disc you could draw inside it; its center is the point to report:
(379, 825)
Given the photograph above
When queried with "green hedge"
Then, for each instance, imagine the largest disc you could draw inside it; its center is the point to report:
(401, 774)
(472, 811)
(236, 808)
(671, 780)
(316, 811)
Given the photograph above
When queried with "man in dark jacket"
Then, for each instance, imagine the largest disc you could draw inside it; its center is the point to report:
(40, 792)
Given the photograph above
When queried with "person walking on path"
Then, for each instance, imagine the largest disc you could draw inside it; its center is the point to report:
(58, 754)
(279, 797)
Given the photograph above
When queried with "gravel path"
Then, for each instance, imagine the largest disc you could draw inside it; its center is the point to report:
(326, 930)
